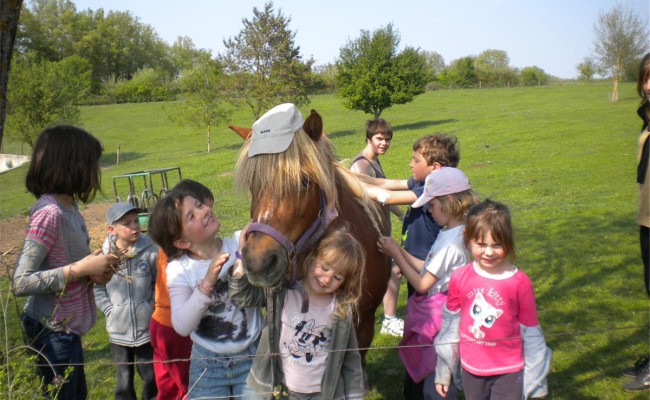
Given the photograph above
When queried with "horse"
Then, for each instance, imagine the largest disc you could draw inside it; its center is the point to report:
(289, 192)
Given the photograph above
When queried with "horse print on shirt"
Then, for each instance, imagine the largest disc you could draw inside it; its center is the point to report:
(484, 315)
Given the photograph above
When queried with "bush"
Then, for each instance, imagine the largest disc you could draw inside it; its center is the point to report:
(146, 86)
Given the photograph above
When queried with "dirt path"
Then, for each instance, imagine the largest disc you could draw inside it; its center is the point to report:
(12, 231)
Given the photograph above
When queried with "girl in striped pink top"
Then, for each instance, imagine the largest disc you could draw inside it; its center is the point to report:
(55, 268)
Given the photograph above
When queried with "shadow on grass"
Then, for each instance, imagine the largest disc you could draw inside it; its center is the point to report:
(423, 124)
(340, 134)
(591, 303)
(110, 159)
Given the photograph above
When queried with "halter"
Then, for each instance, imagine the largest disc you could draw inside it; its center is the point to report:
(304, 242)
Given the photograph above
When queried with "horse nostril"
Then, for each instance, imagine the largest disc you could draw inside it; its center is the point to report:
(270, 265)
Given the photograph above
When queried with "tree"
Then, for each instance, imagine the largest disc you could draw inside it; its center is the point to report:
(116, 44)
(435, 62)
(586, 69)
(372, 77)
(50, 28)
(9, 16)
(184, 54)
(42, 93)
(324, 79)
(265, 63)
(531, 76)
(621, 38)
(460, 72)
(205, 87)
(493, 68)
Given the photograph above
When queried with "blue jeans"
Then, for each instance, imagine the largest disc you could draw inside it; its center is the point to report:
(61, 350)
(216, 375)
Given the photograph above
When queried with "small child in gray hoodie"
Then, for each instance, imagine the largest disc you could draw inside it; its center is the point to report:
(127, 300)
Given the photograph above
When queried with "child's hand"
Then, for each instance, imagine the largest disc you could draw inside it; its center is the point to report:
(388, 245)
(94, 264)
(442, 389)
(238, 269)
(378, 194)
(212, 275)
(101, 279)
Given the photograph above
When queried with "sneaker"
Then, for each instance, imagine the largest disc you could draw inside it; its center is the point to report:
(638, 366)
(640, 382)
(392, 326)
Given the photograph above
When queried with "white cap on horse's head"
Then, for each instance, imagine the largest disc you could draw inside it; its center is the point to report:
(446, 180)
(274, 131)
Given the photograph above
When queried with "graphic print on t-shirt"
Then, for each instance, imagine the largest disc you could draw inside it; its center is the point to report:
(224, 321)
(306, 342)
(484, 315)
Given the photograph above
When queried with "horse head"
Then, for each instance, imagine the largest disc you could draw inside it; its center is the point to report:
(292, 192)
(289, 190)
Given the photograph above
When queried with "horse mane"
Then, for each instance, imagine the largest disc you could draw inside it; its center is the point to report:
(352, 185)
(282, 174)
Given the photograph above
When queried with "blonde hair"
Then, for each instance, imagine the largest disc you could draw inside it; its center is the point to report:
(458, 204)
(340, 251)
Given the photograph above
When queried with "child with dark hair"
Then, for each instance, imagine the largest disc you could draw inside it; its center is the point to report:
(489, 323)
(55, 268)
(640, 372)
(224, 336)
(171, 351)
(379, 135)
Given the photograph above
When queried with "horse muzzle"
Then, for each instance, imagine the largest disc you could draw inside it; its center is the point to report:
(265, 268)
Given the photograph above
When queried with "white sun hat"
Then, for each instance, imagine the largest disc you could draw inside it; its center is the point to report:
(274, 131)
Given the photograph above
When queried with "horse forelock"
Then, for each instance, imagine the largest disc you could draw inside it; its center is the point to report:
(282, 175)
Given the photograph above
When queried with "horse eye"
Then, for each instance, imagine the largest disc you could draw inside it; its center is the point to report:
(304, 182)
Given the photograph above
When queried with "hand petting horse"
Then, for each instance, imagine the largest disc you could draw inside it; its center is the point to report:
(298, 190)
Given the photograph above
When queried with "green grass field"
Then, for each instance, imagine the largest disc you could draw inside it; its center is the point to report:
(562, 157)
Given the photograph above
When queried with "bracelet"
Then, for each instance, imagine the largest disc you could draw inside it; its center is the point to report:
(70, 273)
(237, 255)
(205, 287)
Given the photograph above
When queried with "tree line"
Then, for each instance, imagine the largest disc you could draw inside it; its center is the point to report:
(64, 58)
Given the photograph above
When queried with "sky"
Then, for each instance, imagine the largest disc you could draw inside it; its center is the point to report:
(554, 35)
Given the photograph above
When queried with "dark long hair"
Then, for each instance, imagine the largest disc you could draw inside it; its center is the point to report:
(65, 160)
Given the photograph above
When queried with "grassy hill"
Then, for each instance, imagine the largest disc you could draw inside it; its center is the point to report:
(562, 157)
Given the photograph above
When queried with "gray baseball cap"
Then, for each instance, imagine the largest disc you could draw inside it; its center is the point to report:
(118, 210)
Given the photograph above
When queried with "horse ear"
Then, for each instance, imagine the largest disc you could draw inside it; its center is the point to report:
(244, 133)
(313, 126)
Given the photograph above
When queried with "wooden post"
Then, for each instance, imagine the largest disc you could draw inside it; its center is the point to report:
(117, 162)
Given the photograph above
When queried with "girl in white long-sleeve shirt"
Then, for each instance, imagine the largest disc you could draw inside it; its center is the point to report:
(224, 336)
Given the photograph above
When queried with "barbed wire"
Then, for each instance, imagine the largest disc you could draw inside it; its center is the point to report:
(9, 292)
(374, 348)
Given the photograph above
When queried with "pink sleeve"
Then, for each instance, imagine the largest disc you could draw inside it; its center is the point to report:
(453, 301)
(188, 306)
(527, 306)
(45, 226)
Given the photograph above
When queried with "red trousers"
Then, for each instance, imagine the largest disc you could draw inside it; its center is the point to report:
(172, 377)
